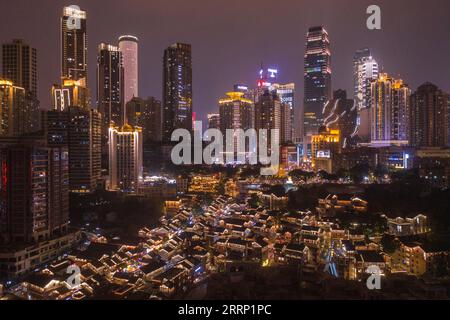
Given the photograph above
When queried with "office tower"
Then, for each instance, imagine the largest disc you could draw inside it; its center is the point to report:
(235, 112)
(125, 158)
(74, 45)
(324, 147)
(129, 46)
(341, 114)
(213, 121)
(70, 93)
(286, 92)
(55, 127)
(18, 115)
(110, 86)
(146, 114)
(84, 149)
(429, 117)
(34, 197)
(19, 62)
(268, 114)
(317, 78)
(177, 89)
(79, 129)
(389, 107)
(365, 70)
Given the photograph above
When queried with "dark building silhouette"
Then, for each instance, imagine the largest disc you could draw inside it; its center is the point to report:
(341, 114)
(146, 114)
(429, 117)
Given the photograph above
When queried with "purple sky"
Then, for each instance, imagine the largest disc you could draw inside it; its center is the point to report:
(230, 38)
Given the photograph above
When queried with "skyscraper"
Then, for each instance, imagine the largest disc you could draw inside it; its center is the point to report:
(429, 117)
(34, 196)
(74, 44)
(70, 93)
(286, 116)
(129, 46)
(236, 112)
(18, 115)
(177, 89)
(365, 70)
(286, 92)
(389, 109)
(146, 114)
(110, 73)
(341, 114)
(125, 158)
(324, 147)
(268, 114)
(84, 149)
(79, 129)
(317, 78)
(20, 65)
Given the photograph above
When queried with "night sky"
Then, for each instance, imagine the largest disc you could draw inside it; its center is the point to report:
(231, 38)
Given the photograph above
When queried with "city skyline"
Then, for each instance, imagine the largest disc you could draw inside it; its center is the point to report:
(290, 35)
(324, 172)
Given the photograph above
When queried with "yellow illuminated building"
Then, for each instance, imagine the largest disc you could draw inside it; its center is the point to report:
(323, 146)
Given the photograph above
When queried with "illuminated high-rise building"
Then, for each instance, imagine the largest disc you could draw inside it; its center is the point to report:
(18, 115)
(324, 147)
(146, 114)
(79, 130)
(317, 78)
(84, 149)
(429, 118)
(389, 110)
(19, 62)
(70, 93)
(34, 197)
(268, 114)
(110, 92)
(110, 85)
(236, 112)
(365, 70)
(74, 45)
(125, 158)
(129, 46)
(341, 114)
(286, 92)
(286, 125)
(177, 89)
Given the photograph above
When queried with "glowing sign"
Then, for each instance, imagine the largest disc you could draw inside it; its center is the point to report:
(324, 154)
(272, 73)
(74, 14)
